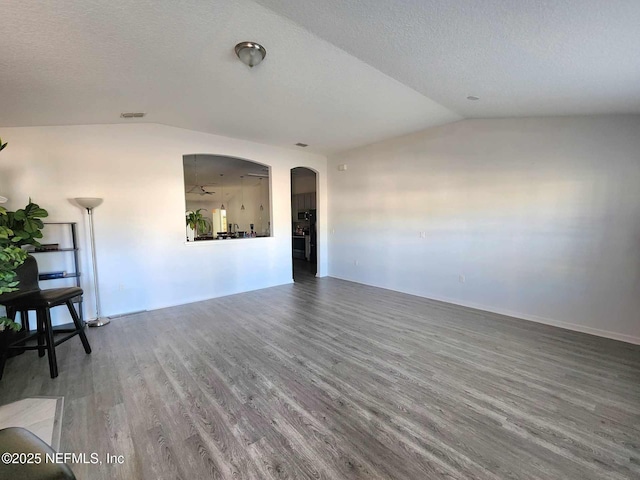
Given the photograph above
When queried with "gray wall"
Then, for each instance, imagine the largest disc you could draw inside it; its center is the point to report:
(537, 218)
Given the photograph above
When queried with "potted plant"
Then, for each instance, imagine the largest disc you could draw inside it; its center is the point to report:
(11, 257)
(17, 229)
(197, 222)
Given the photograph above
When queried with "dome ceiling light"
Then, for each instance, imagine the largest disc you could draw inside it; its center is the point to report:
(250, 53)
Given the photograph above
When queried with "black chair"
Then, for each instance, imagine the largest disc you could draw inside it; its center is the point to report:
(29, 297)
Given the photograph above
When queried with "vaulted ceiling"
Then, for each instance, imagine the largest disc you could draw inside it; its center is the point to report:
(337, 74)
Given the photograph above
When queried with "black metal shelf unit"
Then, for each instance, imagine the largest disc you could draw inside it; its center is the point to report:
(45, 276)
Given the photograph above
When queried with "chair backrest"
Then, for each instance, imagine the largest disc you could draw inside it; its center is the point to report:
(27, 276)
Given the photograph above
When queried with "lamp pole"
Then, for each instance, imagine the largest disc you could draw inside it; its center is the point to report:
(90, 204)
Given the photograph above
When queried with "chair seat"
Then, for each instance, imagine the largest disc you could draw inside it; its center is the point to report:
(48, 298)
(30, 298)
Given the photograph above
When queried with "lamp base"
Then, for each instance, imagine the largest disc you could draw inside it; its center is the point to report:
(98, 322)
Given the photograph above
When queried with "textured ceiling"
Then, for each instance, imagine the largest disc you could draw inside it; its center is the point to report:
(205, 170)
(86, 61)
(337, 74)
(522, 58)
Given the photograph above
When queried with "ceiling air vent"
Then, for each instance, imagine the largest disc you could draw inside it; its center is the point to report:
(132, 115)
(301, 145)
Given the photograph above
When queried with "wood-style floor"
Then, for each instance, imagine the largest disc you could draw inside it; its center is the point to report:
(331, 379)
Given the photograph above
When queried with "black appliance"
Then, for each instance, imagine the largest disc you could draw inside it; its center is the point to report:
(303, 215)
(299, 246)
(313, 256)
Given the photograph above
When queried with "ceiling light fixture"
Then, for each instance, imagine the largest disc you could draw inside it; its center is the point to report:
(200, 190)
(473, 98)
(250, 53)
(259, 175)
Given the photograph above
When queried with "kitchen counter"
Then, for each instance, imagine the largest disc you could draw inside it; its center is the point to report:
(221, 240)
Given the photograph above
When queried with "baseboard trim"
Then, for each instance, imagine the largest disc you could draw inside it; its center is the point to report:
(546, 321)
(517, 315)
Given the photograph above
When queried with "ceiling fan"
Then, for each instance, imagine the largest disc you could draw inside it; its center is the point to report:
(200, 190)
(196, 188)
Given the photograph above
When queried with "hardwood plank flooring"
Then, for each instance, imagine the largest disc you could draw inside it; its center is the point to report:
(331, 379)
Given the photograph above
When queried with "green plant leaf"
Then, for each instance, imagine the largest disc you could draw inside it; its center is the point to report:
(8, 323)
(17, 229)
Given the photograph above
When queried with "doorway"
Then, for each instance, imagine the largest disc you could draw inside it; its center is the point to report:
(304, 232)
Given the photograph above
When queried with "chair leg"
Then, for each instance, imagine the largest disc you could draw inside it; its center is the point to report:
(3, 358)
(80, 326)
(53, 363)
(24, 322)
(24, 319)
(12, 314)
(4, 354)
(40, 325)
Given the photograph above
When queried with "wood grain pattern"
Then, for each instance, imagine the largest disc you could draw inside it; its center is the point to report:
(331, 379)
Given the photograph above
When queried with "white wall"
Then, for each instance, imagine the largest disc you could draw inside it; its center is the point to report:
(541, 216)
(143, 260)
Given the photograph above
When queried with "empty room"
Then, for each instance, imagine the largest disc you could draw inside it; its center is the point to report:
(268, 239)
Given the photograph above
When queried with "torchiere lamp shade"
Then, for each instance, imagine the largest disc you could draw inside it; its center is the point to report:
(88, 202)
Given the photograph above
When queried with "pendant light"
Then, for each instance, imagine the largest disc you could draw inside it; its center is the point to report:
(222, 186)
(195, 164)
(242, 187)
(261, 207)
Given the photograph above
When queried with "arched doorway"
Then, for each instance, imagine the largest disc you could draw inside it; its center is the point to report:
(304, 219)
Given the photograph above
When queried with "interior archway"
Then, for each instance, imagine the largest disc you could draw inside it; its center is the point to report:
(304, 222)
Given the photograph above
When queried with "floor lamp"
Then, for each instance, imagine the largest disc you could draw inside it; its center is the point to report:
(90, 204)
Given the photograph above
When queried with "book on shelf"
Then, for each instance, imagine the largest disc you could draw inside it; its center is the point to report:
(51, 275)
(45, 247)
